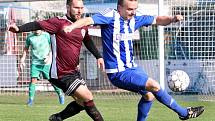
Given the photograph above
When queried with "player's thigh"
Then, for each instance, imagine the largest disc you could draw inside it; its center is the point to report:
(45, 71)
(35, 71)
(69, 83)
(83, 93)
(132, 79)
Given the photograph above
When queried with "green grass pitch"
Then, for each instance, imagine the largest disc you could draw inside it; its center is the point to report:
(13, 108)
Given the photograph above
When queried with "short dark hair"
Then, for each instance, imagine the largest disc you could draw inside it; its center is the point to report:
(68, 2)
(121, 2)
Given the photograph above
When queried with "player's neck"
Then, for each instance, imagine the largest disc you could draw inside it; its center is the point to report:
(70, 18)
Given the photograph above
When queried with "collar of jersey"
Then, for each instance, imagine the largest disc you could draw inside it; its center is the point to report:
(71, 19)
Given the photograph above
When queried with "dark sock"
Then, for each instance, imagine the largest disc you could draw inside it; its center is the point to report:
(71, 109)
(92, 111)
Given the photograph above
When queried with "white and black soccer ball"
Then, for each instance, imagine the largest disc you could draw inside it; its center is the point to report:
(178, 81)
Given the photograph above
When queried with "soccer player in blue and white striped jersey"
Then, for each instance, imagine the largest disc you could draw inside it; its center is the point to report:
(117, 28)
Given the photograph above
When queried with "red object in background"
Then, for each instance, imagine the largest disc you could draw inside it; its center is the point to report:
(10, 37)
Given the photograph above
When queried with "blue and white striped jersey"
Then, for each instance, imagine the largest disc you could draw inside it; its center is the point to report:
(117, 36)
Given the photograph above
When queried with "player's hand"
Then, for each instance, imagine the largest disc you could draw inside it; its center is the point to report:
(101, 64)
(67, 29)
(13, 28)
(177, 18)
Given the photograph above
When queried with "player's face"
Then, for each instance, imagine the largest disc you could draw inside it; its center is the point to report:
(76, 9)
(128, 9)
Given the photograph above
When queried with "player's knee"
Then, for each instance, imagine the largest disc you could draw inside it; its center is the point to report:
(83, 93)
(89, 96)
(152, 85)
(149, 96)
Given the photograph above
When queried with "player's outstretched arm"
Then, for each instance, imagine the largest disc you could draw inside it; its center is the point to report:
(78, 24)
(13, 28)
(166, 20)
(32, 26)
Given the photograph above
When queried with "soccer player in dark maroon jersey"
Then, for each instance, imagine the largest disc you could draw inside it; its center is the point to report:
(66, 51)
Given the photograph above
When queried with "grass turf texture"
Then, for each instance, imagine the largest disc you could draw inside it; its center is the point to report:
(14, 108)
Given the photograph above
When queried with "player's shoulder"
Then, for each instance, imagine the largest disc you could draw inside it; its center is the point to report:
(45, 33)
(109, 12)
(57, 19)
(63, 20)
(61, 17)
(30, 35)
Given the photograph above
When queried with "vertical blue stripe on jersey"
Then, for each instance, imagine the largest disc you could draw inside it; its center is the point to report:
(116, 42)
(130, 42)
(122, 52)
(131, 52)
(122, 44)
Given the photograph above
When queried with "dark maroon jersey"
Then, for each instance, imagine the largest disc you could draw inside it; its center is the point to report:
(65, 46)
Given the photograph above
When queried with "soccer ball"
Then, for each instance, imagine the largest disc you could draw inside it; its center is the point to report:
(178, 81)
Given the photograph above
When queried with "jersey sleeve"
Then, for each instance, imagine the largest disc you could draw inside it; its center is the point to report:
(103, 17)
(87, 36)
(88, 42)
(50, 25)
(143, 20)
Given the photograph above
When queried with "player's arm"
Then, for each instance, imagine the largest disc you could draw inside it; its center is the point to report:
(166, 20)
(22, 60)
(32, 26)
(78, 24)
(48, 58)
(92, 48)
(25, 52)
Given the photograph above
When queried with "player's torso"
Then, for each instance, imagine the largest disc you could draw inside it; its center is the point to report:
(40, 47)
(68, 46)
(118, 36)
(118, 44)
